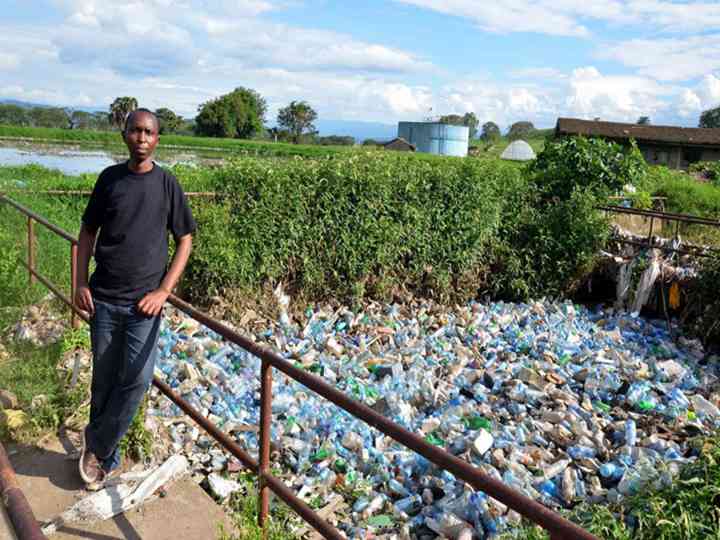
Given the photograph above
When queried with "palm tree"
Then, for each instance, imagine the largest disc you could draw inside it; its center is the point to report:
(120, 108)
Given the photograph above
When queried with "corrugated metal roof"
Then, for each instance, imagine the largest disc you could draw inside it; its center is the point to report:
(617, 130)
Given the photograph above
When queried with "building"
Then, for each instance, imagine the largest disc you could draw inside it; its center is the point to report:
(518, 151)
(436, 138)
(399, 145)
(676, 147)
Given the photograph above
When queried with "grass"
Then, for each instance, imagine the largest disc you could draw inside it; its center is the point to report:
(31, 371)
(244, 507)
(687, 509)
(112, 138)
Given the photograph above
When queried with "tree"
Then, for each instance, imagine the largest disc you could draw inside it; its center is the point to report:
(80, 120)
(490, 132)
(169, 121)
(120, 108)
(100, 121)
(49, 117)
(710, 118)
(643, 121)
(239, 114)
(13, 115)
(520, 130)
(471, 121)
(297, 118)
(468, 119)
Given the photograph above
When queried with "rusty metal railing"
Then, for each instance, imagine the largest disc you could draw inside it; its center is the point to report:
(559, 527)
(18, 509)
(697, 251)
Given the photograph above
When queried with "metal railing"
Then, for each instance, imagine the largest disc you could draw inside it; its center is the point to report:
(697, 251)
(558, 526)
(18, 509)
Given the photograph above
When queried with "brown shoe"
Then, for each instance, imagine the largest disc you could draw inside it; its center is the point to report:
(90, 470)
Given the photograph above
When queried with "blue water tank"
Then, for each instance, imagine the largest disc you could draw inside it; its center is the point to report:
(436, 138)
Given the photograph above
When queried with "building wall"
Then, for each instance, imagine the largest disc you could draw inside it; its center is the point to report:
(436, 138)
(677, 156)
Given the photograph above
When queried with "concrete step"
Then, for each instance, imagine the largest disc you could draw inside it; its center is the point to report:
(51, 483)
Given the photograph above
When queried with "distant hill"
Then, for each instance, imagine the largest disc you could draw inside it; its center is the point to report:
(29, 105)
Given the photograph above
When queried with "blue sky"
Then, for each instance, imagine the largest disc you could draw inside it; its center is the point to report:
(375, 60)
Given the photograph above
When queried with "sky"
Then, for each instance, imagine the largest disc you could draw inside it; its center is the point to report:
(372, 60)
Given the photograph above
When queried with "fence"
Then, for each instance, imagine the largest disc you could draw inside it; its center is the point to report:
(559, 527)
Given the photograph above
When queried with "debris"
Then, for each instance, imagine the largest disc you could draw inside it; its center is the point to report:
(119, 497)
(13, 418)
(8, 400)
(221, 487)
(561, 402)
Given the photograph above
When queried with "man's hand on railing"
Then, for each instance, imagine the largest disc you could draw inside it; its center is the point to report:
(83, 299)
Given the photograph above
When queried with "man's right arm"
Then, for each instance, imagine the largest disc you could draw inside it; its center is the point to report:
(86, 242)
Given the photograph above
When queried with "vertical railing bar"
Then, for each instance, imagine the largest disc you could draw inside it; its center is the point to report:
(650, 234)
(31, 249)
(74, 321)
(265, 427)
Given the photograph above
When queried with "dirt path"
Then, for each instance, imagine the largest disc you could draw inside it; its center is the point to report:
(48, 476)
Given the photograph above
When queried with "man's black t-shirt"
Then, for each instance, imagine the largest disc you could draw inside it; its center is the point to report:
(134, 213)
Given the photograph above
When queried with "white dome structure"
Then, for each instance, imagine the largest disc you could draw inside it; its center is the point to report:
(518, 151)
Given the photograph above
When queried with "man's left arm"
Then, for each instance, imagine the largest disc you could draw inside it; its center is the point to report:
(151, 304)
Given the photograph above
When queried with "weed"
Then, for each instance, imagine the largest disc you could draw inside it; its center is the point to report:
(244, 509)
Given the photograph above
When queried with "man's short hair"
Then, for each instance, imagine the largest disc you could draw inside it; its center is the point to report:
(141, 110)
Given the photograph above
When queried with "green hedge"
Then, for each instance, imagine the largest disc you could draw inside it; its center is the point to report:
(360, 225)
(366, 225)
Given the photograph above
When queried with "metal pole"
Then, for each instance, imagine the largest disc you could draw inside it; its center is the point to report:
(31, 249)
(18, 509)
(265, 426)
(650, 234)
(73, 276)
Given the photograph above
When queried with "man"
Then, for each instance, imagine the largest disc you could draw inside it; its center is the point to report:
(133, 205)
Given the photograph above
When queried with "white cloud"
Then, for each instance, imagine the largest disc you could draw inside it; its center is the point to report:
(545, 74)
(259, 43)
(8, 61)
(675, 59)
(569, 17)
(590, 94)
(705, 95)
(514, 16)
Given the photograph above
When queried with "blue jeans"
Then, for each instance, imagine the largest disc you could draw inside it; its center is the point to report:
(124, 346)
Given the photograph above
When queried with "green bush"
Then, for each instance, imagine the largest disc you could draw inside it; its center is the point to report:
(684, 193)
(577, 162)
(708, 169)
(352, 225)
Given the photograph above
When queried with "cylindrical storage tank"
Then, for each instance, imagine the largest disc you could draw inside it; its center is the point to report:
(436, 138)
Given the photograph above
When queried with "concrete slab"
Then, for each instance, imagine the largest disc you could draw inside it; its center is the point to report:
(49, 478)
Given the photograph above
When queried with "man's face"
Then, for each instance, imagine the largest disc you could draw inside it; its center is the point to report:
(141, 136)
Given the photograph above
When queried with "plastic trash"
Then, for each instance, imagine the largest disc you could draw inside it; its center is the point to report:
(561, 402)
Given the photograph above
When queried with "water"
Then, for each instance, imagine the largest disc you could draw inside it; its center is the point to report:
(70, 162)
(73, 161)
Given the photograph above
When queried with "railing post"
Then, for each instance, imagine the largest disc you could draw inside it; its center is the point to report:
(74, 321)
(265, 423)
(31, 249)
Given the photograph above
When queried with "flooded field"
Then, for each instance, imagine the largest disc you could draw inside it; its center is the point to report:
(74, 160)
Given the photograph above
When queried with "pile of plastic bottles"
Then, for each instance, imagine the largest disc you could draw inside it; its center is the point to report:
(563, 403)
